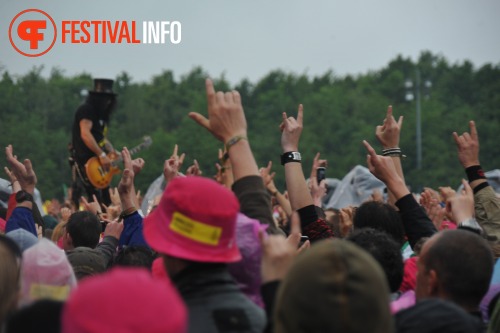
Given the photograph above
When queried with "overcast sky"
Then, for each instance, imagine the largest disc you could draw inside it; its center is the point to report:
(250, 38)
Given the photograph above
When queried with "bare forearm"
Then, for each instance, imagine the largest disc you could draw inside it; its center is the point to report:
(399, 171)
(284, 203)
(242, 160)
(90, 142)
(128, 200)
(398, 188)
(297, 186)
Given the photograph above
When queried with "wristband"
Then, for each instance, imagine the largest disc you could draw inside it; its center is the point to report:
(393, 152)
(474, 172)
(235, 139)
(470, 224)
(22, 196)
(127, 212)
(290, 156)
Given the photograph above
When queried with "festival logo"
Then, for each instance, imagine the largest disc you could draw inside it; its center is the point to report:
(33, 32)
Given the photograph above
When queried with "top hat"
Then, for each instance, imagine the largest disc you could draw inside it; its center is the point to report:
(103, 86)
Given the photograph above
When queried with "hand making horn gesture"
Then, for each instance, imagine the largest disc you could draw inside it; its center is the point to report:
(291, 129)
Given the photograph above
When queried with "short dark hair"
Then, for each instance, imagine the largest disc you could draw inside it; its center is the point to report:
(84, 229)
(135, 256)
(386, 252)
(463, 262)
(380, 216)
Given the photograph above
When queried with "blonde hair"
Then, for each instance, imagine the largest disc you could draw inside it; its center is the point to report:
(58, 231)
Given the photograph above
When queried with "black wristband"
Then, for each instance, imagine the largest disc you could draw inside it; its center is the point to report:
(23, 196)
(290, 156)
(474, 172)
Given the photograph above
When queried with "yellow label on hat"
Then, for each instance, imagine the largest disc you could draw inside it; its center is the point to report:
(58, 293)
(195, 230)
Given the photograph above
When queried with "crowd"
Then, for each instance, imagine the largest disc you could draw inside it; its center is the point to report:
(236, 254)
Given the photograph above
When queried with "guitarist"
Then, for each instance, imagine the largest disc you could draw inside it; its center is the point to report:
(89, 139)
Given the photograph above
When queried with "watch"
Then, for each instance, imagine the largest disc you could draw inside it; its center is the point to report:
(291, 156)
(23, 196)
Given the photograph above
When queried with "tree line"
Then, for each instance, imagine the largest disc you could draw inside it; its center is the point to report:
(339, 112)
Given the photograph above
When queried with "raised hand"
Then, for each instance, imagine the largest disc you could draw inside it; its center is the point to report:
(194, 170)
(268, 176)
(115, 197)
(461, 207)
(346, 218)
(468, 146)
(432, 207)
(226, 118)
(23, 172)
(279, 252)
(317, 163)
(92, 206)
(114, 229)
(291, 129)
(65, 214)
(384, 169)
(381, 167)
(138, 165)
(179, 159)
(16, 187)
(170, 169)
(447, 192)
(388, 133)
(126, 185)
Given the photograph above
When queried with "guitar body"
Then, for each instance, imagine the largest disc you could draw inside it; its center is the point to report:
(97, 176)
(95, 172)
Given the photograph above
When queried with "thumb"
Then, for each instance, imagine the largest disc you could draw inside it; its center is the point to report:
(200, 119)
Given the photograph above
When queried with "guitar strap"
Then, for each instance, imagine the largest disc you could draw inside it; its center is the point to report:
(78, 171)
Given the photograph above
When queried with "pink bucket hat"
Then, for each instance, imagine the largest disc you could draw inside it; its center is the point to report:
(195, 220)
(45, 273)
(124, 300)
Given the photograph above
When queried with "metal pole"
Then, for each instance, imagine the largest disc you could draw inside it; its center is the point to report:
(419, 124)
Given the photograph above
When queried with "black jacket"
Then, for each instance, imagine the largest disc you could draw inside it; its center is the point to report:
(215, 303)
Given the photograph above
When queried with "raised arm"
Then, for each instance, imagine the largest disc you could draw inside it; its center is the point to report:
(132, 220)
(226, 121)
(416, 222)
(486, 203)
(22, 215)
(388, 135)
(298, 192)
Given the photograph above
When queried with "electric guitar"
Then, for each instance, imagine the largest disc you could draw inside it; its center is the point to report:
(98, 177)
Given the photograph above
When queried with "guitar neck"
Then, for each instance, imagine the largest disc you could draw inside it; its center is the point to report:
(132, 151)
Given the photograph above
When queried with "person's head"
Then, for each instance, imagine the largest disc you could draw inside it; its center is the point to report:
(103, 97)
(24, 239)
(10, 258)
(124, 300)
(334, 287)
(380, 216)
(135, 256)
(83, 229)
(455, 265)
(43, 315)
(195, 221)
(386, 252)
